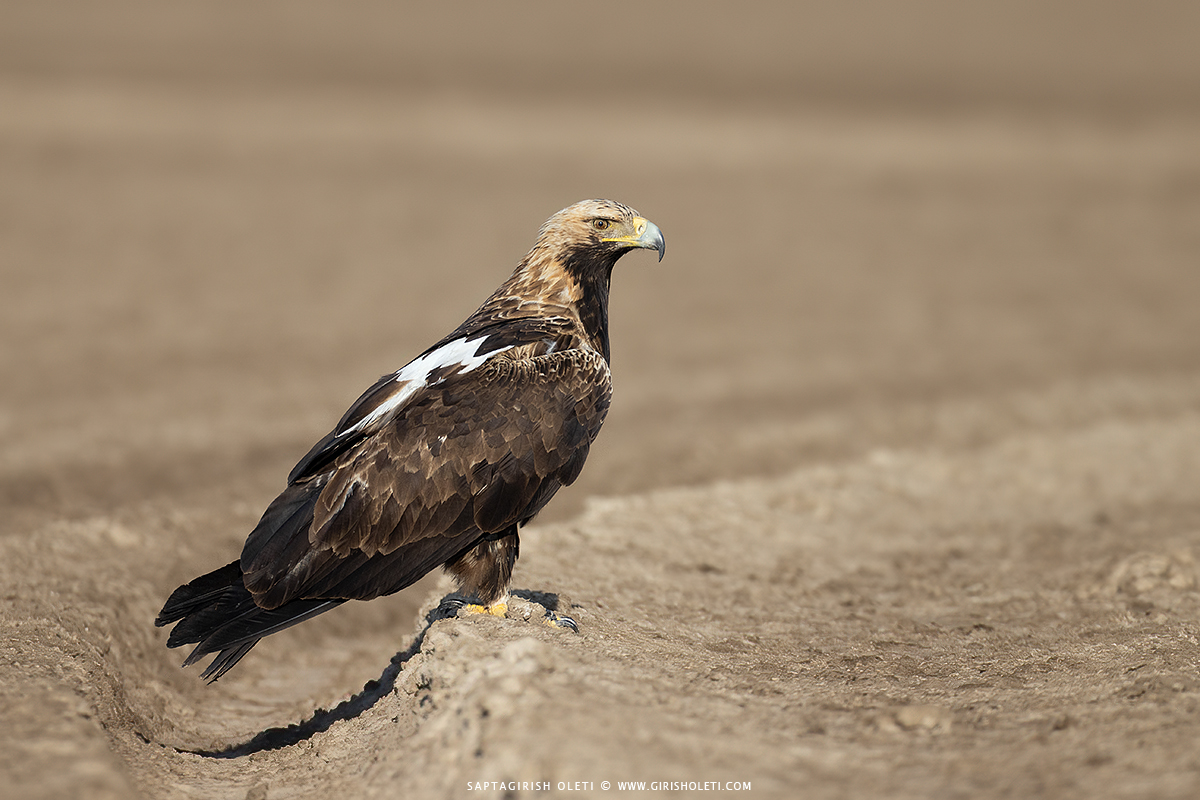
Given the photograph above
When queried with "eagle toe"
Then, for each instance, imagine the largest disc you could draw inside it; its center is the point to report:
(560, 621)
(497, 609)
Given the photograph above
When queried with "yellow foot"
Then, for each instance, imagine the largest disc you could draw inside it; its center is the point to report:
(497, 609)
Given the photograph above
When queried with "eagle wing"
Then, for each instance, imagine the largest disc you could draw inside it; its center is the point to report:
(470, 452)
(472, 343)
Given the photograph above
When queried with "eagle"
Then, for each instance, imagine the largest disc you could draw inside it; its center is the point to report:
(440, 462)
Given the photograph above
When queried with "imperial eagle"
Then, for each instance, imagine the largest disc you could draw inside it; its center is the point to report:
(440, 462)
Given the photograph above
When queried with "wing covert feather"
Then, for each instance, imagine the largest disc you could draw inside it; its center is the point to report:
(493, 440)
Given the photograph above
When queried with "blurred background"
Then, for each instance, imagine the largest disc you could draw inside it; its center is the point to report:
(928, 226)
(220, 221)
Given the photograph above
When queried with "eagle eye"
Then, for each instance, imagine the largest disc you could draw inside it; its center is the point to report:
(601, 224)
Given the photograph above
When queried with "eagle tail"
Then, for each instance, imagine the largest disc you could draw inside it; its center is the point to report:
(218, 614)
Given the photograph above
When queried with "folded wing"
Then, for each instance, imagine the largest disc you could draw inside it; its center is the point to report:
(470, 453)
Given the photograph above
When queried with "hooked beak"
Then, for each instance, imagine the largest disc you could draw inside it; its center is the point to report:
(645, 235)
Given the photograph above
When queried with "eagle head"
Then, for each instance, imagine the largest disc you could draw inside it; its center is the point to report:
(599, 232)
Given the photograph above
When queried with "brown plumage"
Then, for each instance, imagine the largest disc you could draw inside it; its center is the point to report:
(440, 462)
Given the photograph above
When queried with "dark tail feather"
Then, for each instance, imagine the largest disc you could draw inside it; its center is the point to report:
(216, 612)
(197, 594)
(225, 660)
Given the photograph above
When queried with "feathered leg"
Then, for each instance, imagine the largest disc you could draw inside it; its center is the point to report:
(484, 571)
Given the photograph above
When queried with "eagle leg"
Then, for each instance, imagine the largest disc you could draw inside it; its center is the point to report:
(484, 571)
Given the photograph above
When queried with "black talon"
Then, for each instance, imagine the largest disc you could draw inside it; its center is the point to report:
(559, 621)
(448, 608)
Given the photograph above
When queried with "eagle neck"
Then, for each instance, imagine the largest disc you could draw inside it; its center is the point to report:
(593, 307)
(578, 282)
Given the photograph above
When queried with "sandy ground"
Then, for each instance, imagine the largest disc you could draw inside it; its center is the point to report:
(898, 496)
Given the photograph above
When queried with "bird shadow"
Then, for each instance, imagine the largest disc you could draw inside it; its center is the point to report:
(547, 600)
(373, 691)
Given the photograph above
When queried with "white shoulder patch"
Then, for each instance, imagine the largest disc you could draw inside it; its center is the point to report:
(455, 357)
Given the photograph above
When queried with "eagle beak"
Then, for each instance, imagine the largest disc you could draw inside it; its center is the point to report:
(646, 235)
